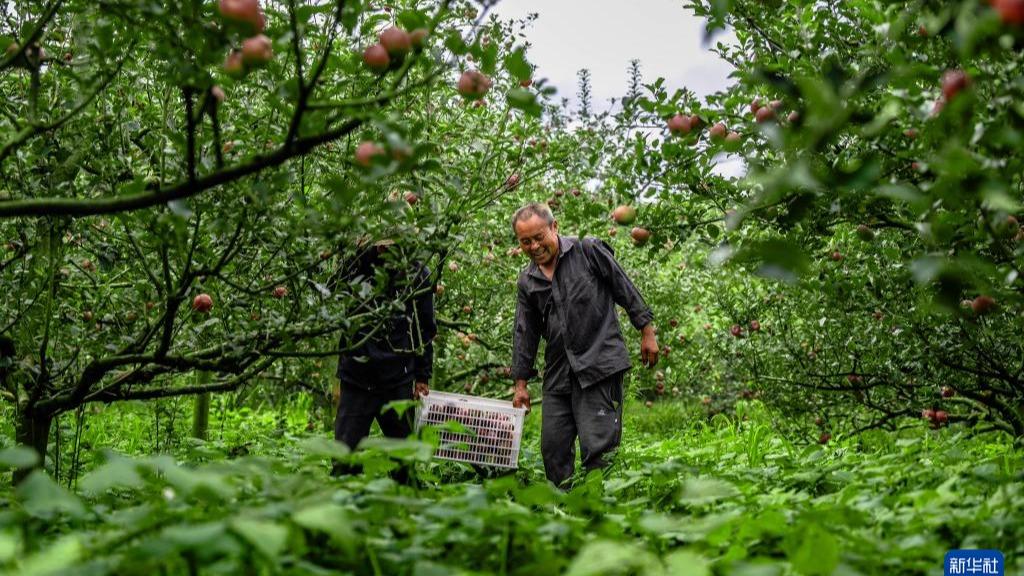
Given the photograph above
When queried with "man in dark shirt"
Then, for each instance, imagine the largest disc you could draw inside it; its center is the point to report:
(567, 296)
(389, 361)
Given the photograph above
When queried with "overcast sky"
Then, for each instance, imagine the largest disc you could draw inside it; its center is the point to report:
(604, 35)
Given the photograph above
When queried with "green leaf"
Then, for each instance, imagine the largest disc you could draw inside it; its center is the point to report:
(456, 44)
(412, 19)
(686, 563)
(43, 498)
(606, 557)
(817, 552)
(58, 558)
(116, 472)
(775, 258)
(517, 65)
(266, 537)
(324, 447)
(18, 457)
(330, 519)
(705, 490)
(9, 545)
(525, 100)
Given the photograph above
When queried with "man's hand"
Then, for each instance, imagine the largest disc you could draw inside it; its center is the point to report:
(521, 398)
(648, 346)
(419, 390)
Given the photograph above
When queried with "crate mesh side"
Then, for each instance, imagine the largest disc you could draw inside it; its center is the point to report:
(492, 435)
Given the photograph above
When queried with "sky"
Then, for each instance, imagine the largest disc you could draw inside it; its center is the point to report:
(604, 35)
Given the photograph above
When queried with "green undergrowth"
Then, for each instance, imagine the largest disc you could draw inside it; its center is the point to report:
(686, 496)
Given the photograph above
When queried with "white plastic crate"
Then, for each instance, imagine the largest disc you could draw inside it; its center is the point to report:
(494, 428)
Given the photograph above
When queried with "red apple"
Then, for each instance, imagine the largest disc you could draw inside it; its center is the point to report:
(526, 83)
(732, 139)
(396, 41)
(695, 122)
(941, 416)
(1011, 11)
(865, 232)
(218, 94)
(736, 330)
(819, 421)
(411, 198)
(854, 378)
(673, 322)
(718, 131)
(755, 326)
(764, 114)
(245, 12)
(679, 124)
(928, 414)
(640, 236)
(836, 256)
(824, 438)
(376, 58)
(624, 215)
(88, 265)
(473, 84)
(983, 304)
(755, 105)
(233, 64)
(775, 105)
(453, 266)
(202, 303)
(418, 38)
(953, 82)
(280, 292)
(793, 117)
(87, 315)
(257, 51)
(366, 152)
(512, 182)
(467, 309)
(948, 392)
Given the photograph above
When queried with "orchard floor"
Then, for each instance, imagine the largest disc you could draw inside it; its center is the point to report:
(685, 497)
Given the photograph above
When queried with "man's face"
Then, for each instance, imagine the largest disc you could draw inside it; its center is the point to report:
(538, 239)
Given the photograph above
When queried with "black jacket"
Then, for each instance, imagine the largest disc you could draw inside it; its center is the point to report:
(575, 313)
(402, 349)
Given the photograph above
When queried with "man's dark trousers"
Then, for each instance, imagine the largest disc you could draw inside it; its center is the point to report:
(593, 413)
(357, 409)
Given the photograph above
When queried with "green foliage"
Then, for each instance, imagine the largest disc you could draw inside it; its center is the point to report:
(690, 500)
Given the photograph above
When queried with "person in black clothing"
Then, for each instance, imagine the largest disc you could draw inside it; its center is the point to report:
(567, 296)
(387, 362)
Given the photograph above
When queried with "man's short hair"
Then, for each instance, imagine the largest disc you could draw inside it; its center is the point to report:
(533, 209)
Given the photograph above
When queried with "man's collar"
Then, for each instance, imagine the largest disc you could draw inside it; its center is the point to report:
(564, 245)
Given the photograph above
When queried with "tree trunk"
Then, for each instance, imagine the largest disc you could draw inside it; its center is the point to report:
(201, 409)
(32, 430)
